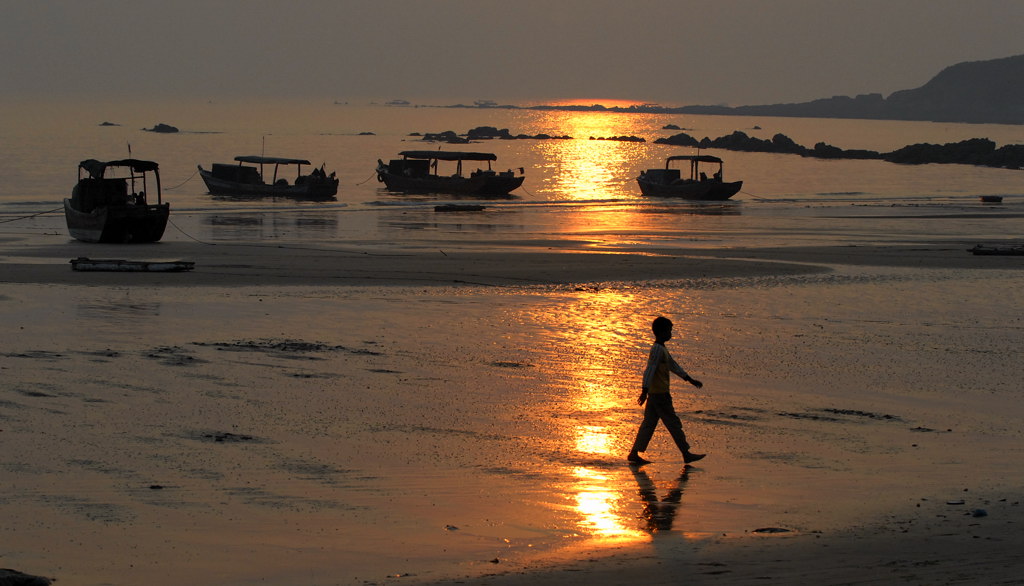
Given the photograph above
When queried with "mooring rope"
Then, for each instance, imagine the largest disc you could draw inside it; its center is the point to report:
(182, 183)
(31, 215)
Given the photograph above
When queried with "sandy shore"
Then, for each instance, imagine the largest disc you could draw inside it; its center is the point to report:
(329, 415)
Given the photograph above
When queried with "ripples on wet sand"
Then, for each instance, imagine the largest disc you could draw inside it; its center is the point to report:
(346, 434)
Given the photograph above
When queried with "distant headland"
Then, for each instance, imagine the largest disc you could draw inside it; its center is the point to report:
(977, 92)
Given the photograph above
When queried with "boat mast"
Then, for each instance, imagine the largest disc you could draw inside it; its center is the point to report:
(131, 168)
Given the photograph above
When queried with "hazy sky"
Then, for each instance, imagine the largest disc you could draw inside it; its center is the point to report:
(673, 52)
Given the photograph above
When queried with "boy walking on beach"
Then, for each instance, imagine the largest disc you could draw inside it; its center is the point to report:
(659, 402)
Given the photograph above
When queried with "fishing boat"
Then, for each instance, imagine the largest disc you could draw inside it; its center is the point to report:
(110, 203)
(416, 172)
(247, 181)
(982, 250)
(668, 182)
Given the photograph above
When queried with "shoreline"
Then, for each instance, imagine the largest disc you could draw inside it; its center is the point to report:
(258, 264)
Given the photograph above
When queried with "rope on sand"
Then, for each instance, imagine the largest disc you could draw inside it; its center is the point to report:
(31, 215)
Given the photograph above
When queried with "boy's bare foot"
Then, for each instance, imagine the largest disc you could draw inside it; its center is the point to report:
(637, 460)
(691, 457)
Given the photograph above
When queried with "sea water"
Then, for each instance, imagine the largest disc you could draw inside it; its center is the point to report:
(573, 187)
(467, 423)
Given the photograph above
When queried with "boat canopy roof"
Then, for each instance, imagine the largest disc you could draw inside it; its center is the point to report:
(97, 168)
(270, 160)
(698, 158)
(449, 155)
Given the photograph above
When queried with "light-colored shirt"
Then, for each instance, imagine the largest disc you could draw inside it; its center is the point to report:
(659, 365)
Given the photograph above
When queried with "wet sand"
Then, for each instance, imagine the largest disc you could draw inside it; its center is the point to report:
(327, 415)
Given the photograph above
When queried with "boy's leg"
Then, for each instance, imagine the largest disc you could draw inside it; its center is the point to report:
(675, 428)
(645, 433)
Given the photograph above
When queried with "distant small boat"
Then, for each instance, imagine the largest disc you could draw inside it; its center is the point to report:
(991, 199)
(459, 207)
(982, 250)
(668, 182)
(416, 172)
(102, 208)
(245, 181)
(118, 265)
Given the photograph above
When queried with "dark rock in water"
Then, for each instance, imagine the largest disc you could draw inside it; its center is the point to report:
(108, 124)
(367, 134)
(670, 127)
(165, 128)
(620, 138)
(481, 132)
(15, 578)
(448, 136)
(681, 139)
(972, 151)
(771, 530)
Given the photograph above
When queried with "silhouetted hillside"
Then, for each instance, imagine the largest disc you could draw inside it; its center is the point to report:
(976, 92)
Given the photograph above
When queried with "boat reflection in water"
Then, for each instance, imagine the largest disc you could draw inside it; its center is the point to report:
(260, 226)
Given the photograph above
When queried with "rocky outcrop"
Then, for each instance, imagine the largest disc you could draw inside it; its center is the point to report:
(974, 92)
(483, 133)
(620, 138)
(975, 151)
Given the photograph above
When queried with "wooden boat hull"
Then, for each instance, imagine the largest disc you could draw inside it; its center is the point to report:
(324, 189)
(493, 185)
(695, 190)
(118, 224)
(119, 265)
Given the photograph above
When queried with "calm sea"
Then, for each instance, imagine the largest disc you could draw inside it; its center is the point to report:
(574, 188)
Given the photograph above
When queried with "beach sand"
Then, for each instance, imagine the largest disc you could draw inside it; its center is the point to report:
(296, 414)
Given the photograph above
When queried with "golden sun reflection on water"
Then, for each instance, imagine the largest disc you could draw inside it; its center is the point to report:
(592, 348)
(600, 502)
(584, 169)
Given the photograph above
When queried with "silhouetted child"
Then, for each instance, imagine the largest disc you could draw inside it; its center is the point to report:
(659, 402)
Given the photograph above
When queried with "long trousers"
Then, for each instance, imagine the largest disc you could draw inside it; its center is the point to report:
(659, 408)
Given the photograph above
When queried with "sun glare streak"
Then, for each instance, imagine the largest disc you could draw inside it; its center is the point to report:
(600, 503)
(596, 343)
(585, 169)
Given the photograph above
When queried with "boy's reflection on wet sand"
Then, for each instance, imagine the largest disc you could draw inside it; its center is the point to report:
(658, 515)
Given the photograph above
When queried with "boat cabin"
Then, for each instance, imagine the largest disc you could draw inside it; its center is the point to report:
(669, 175)
(249, 175)
(96, 190)
(237, 173)
(420, 163)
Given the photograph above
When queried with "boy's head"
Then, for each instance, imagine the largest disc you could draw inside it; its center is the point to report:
(662, 328)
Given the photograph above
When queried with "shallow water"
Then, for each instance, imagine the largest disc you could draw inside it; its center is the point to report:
(345, 434)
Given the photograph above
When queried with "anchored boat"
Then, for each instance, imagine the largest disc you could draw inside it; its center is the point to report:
(247, 181)
(110, 202)
(668, 182)
(416, 172)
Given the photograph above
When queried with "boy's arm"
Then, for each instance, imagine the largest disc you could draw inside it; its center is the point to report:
(652, 365)
(674, 367)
